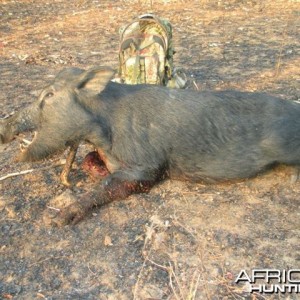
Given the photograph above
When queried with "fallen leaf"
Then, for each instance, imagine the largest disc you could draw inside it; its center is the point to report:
(107, 241)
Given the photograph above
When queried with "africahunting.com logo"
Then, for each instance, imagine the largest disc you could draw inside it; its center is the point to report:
(270, 281)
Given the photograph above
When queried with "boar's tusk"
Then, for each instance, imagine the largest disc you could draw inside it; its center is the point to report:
(26, 142)
(23, 147)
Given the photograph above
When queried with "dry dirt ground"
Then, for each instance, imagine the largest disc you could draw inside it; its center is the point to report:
(182, 240)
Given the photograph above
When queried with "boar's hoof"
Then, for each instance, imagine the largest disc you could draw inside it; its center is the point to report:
(65, 209)
(64, 177)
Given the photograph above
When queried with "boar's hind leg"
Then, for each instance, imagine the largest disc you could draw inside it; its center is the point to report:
(116, 186)
(64, 176)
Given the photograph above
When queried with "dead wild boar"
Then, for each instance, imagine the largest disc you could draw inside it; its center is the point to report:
(144, 133)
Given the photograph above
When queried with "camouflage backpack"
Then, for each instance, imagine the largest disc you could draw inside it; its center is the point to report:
(146, 53)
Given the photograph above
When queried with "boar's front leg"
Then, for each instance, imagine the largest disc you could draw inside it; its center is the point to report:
(64, 176)
(116, 186)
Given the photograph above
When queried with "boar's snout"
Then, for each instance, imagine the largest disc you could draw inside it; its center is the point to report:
(3, 131)
(7, 133)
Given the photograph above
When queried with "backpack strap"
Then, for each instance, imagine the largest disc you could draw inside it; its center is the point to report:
(127, 42)
(139, 61)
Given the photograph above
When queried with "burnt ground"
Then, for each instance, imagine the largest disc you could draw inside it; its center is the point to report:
(182, 240)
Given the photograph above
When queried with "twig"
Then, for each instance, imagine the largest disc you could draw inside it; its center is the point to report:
(53, 208)
(62, 162)
(176, 280)
(135, 290)
(46, 259)
(176, 222)
(171, 274)
(16, 174)
(195, 84)
(194, 286)
(158, 265)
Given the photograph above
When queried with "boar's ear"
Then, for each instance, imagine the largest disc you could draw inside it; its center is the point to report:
(94, 80)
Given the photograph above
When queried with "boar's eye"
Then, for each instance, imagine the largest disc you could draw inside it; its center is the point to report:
(48, 95)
